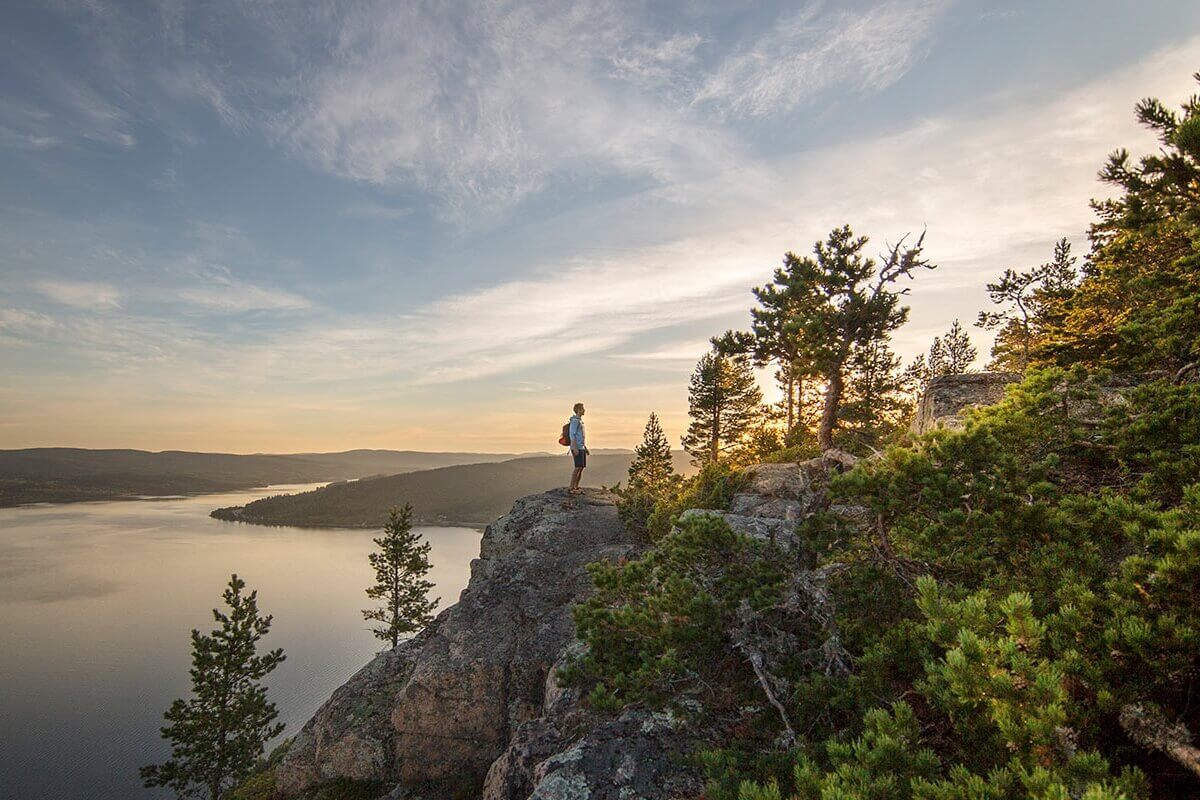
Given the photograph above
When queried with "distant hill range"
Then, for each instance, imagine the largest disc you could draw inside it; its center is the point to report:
(471, 494)
(65, 474)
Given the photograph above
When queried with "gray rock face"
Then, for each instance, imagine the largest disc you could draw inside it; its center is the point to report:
(948, 396)
(943, 402)
(351, 735)
(442, 707)
(776, 498)
(639, 755)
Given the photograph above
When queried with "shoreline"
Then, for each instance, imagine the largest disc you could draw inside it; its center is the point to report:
(479, 526)
(123, 498)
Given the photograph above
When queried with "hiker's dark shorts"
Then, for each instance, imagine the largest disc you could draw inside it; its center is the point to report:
(580, 459)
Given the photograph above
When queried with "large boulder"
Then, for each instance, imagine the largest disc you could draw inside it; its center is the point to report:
(947, 396)
(438, 710)
(638, 755)
(776, 498)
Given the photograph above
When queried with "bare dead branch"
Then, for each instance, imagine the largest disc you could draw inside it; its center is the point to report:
(1148, 726)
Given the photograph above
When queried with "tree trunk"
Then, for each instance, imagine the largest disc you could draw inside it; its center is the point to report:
(833, 398)
(715, 440)
(791, 402)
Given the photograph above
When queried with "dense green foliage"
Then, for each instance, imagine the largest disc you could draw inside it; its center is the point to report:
(684, 596)
(217, 736)
(1138, 303)
(1024, 581)
(401, 564)
(712, 487)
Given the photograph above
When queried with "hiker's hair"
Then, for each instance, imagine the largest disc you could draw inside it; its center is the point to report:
(578, 407)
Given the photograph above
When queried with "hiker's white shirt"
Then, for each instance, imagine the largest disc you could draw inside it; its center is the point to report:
(577, 437)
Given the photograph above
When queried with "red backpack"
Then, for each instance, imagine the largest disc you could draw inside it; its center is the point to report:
(565, 439)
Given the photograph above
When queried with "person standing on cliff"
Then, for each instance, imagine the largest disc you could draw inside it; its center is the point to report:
(579, 449)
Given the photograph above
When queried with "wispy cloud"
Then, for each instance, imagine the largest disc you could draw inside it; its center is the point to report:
(813, 51)
(238, 296)
(192, 81)
(669, 65)
(686, 352)
(379, 211)
(701, 271)
(77, 294)
(1037, 186)
(71, 110)
(485, 105)
(526, 99)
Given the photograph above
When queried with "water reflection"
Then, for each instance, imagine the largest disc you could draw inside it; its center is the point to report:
(96, 602)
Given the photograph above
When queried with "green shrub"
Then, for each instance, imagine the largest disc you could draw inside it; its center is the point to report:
(658, 628)
(712, 487)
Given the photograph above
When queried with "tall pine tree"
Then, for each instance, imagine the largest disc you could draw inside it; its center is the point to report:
(652, 478)
(724, 403)
(218, 734)
(772, 339)
(876, 403)
(400, 568)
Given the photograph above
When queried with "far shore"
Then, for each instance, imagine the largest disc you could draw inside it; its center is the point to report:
(417, 522)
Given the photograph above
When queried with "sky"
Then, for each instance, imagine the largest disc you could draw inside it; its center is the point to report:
(284, 226)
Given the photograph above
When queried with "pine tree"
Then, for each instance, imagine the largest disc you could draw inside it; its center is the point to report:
(772, 339)
(400, 568)
(724, 403)
(957, 351)
(844, 301)
(950, 354)
(1026, 299)
(218, 735)
(1137, 306)
(876, 403)
(652, 472)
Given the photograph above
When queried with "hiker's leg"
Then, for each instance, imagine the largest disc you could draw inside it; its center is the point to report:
(575, 476)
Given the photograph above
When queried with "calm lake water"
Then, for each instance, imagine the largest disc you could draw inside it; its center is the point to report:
(96, 604)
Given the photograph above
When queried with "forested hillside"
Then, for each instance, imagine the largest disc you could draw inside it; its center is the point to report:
(472, 494)
(63, 474)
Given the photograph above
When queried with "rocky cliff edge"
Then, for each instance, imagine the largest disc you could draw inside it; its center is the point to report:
(434, 713)
(471, 707)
